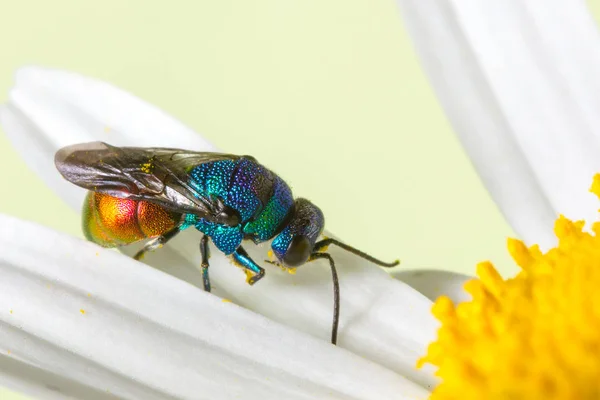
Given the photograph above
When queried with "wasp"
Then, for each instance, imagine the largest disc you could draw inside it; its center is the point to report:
(137, 193)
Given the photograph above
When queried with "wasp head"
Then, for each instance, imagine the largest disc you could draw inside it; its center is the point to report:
(294, 244)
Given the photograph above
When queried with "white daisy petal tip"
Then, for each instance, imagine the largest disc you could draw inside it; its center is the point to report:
(435, 283)
(105, 323)
(71, 108)
(522, 99)
(34, 147)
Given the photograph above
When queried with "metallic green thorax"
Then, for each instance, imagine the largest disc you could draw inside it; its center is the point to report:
(262, 200)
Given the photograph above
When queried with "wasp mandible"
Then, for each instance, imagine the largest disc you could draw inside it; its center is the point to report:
(140, 193)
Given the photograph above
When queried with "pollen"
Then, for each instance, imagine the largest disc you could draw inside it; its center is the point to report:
(533, 336)
(249, 275)
(147, 167)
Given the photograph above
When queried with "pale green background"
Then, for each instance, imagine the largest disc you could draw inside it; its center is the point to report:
(335, 81)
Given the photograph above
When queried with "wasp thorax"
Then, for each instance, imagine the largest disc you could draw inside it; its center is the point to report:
(294, 244)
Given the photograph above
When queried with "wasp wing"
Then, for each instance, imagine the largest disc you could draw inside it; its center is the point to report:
(157, 175)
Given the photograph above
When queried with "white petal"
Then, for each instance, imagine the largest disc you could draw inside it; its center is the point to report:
(49, 109)
(382, 319)
(436, 283)
(519, 82)
(106, 323)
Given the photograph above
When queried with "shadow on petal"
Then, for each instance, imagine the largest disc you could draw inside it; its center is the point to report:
(435, 283)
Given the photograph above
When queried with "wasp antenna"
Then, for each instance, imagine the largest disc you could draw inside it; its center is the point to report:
(336, 294)
(326, 242)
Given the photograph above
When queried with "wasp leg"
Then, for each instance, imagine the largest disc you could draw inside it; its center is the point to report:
(336, 293)
(157, 243)
(243, 260)
(205, 254)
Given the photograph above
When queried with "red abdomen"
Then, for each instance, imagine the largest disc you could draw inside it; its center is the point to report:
(111, 222)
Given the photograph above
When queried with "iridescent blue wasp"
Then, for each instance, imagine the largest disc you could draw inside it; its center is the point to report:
(155, 193)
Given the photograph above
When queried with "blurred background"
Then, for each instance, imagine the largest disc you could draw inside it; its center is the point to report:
(328, 94)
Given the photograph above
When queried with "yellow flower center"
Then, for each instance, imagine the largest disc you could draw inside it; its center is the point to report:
(535, 336)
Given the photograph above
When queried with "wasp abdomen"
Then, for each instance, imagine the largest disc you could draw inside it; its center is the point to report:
(111, 221)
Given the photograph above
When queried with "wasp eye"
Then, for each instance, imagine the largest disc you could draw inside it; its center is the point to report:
(298, 252)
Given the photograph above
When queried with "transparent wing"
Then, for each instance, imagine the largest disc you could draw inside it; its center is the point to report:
(158, 175)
